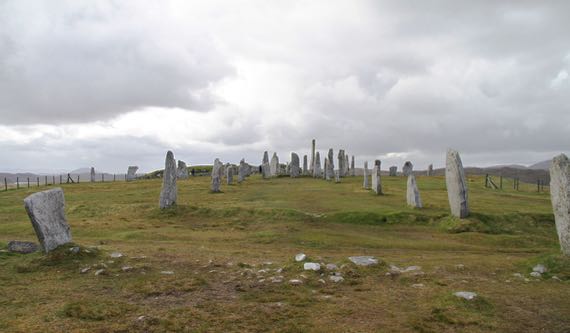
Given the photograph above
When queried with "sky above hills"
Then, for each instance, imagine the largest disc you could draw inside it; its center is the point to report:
(117, 83)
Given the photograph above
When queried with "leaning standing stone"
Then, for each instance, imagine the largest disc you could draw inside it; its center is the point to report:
(560, 197)
(169, 189)
(366, 183)
(46, 210)
(407, 168)
(182, 170)
(92, 174)
(430, 170)
(456, 185)
(412, 193)
(294, 166)
(393, 171)
(376, 180)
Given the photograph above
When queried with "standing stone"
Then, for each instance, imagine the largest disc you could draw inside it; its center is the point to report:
(366, 183)
(313, 162)
(274, 166)
(341, 160)
(376, 180)
(242, 171)
(412, 193)
(430, 170)
(337, 176)
(169, 189)
(265, 167)
(229, 175)
(329, 167)
(346, 166)
(456, 185)
(92, 174)
(393, 171)
(305, 166)
(46, 211)
(352, 169)
(294, 169)
(216, 181)
(182, 170)
(317, 166)
(560, 197)
(408, 168)
(131, 172)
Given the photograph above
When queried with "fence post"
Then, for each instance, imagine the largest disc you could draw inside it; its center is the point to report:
(28, 182)
(77, 179)
(5, 184)
(501, 182)
(17, 182)
(38, 181)
(113, 177)
(486, 180)
(53, 180)
(102, 178)
(60, 177)
(538, 185)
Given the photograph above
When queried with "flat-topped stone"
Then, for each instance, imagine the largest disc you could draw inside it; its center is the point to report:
(364, 260)
(92, 174)
(46, 211)
(393, 171)
(182, 170)
(132, 172)
(169, 189)
(22, 247)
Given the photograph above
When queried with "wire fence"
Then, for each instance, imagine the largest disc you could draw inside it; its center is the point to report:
(37, 181)
(506, 183)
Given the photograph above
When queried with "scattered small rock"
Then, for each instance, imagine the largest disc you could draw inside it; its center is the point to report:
(100, 272)
(276, 279)
(85, 270)
(363, 260)
(116, 255)
(556, 278)
(295, 282)
(311, 266)
(300, 257)
(460, 267)
(167, 272)
(22, 247)
(468, 295)
(74, 249)
(518, 275)
(322, 281)
(331, 267)
(418, 285)
(126, 268)
(336, 278)
(535, 274)
(540, 268)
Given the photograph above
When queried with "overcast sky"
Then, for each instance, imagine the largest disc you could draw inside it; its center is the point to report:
(117, 83)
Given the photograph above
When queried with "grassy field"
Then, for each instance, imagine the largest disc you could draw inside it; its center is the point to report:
(210, 263)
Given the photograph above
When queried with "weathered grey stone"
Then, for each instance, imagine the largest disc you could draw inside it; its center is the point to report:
(305, 166)
(92, 174)
(468, 295)
(317, 171)
(366, 182)
(216, 182)
(229, 175)
(412, 193)
(560, 198)
(337, 176)
(341, 161)
(313, 157)
(242, 170)
(364, 260)
(274, 166)
(294, 171)
(46, 211)
(408, 168)
(22, 247)
(182, 170)
(265, 167)
(329, 166)
(352, 169)
(346, 166)
(393, 171)
(300, 257)
(169, 189)
(456, 185)
(131, 172)
(376, 179)
(430, 170)
(311, 266)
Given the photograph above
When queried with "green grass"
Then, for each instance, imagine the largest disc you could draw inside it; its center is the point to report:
(224, 248)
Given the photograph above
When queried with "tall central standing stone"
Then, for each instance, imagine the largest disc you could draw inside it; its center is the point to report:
(294, 166)
(560, 197)
(265, 167)
(408, 168)
(274, 167)
(169, 190)
(412, 193)
(456, 185)
(317, 167)
(312, 165)
(376, 180)
(366, 183)
(182, 170)
(46, 210)
(92, 174)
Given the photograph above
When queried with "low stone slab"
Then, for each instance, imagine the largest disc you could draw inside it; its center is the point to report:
(364, 260)
(46, 210)
(22, 247)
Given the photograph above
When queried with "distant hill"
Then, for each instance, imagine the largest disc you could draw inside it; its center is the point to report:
(544, 165)
(511, 166)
